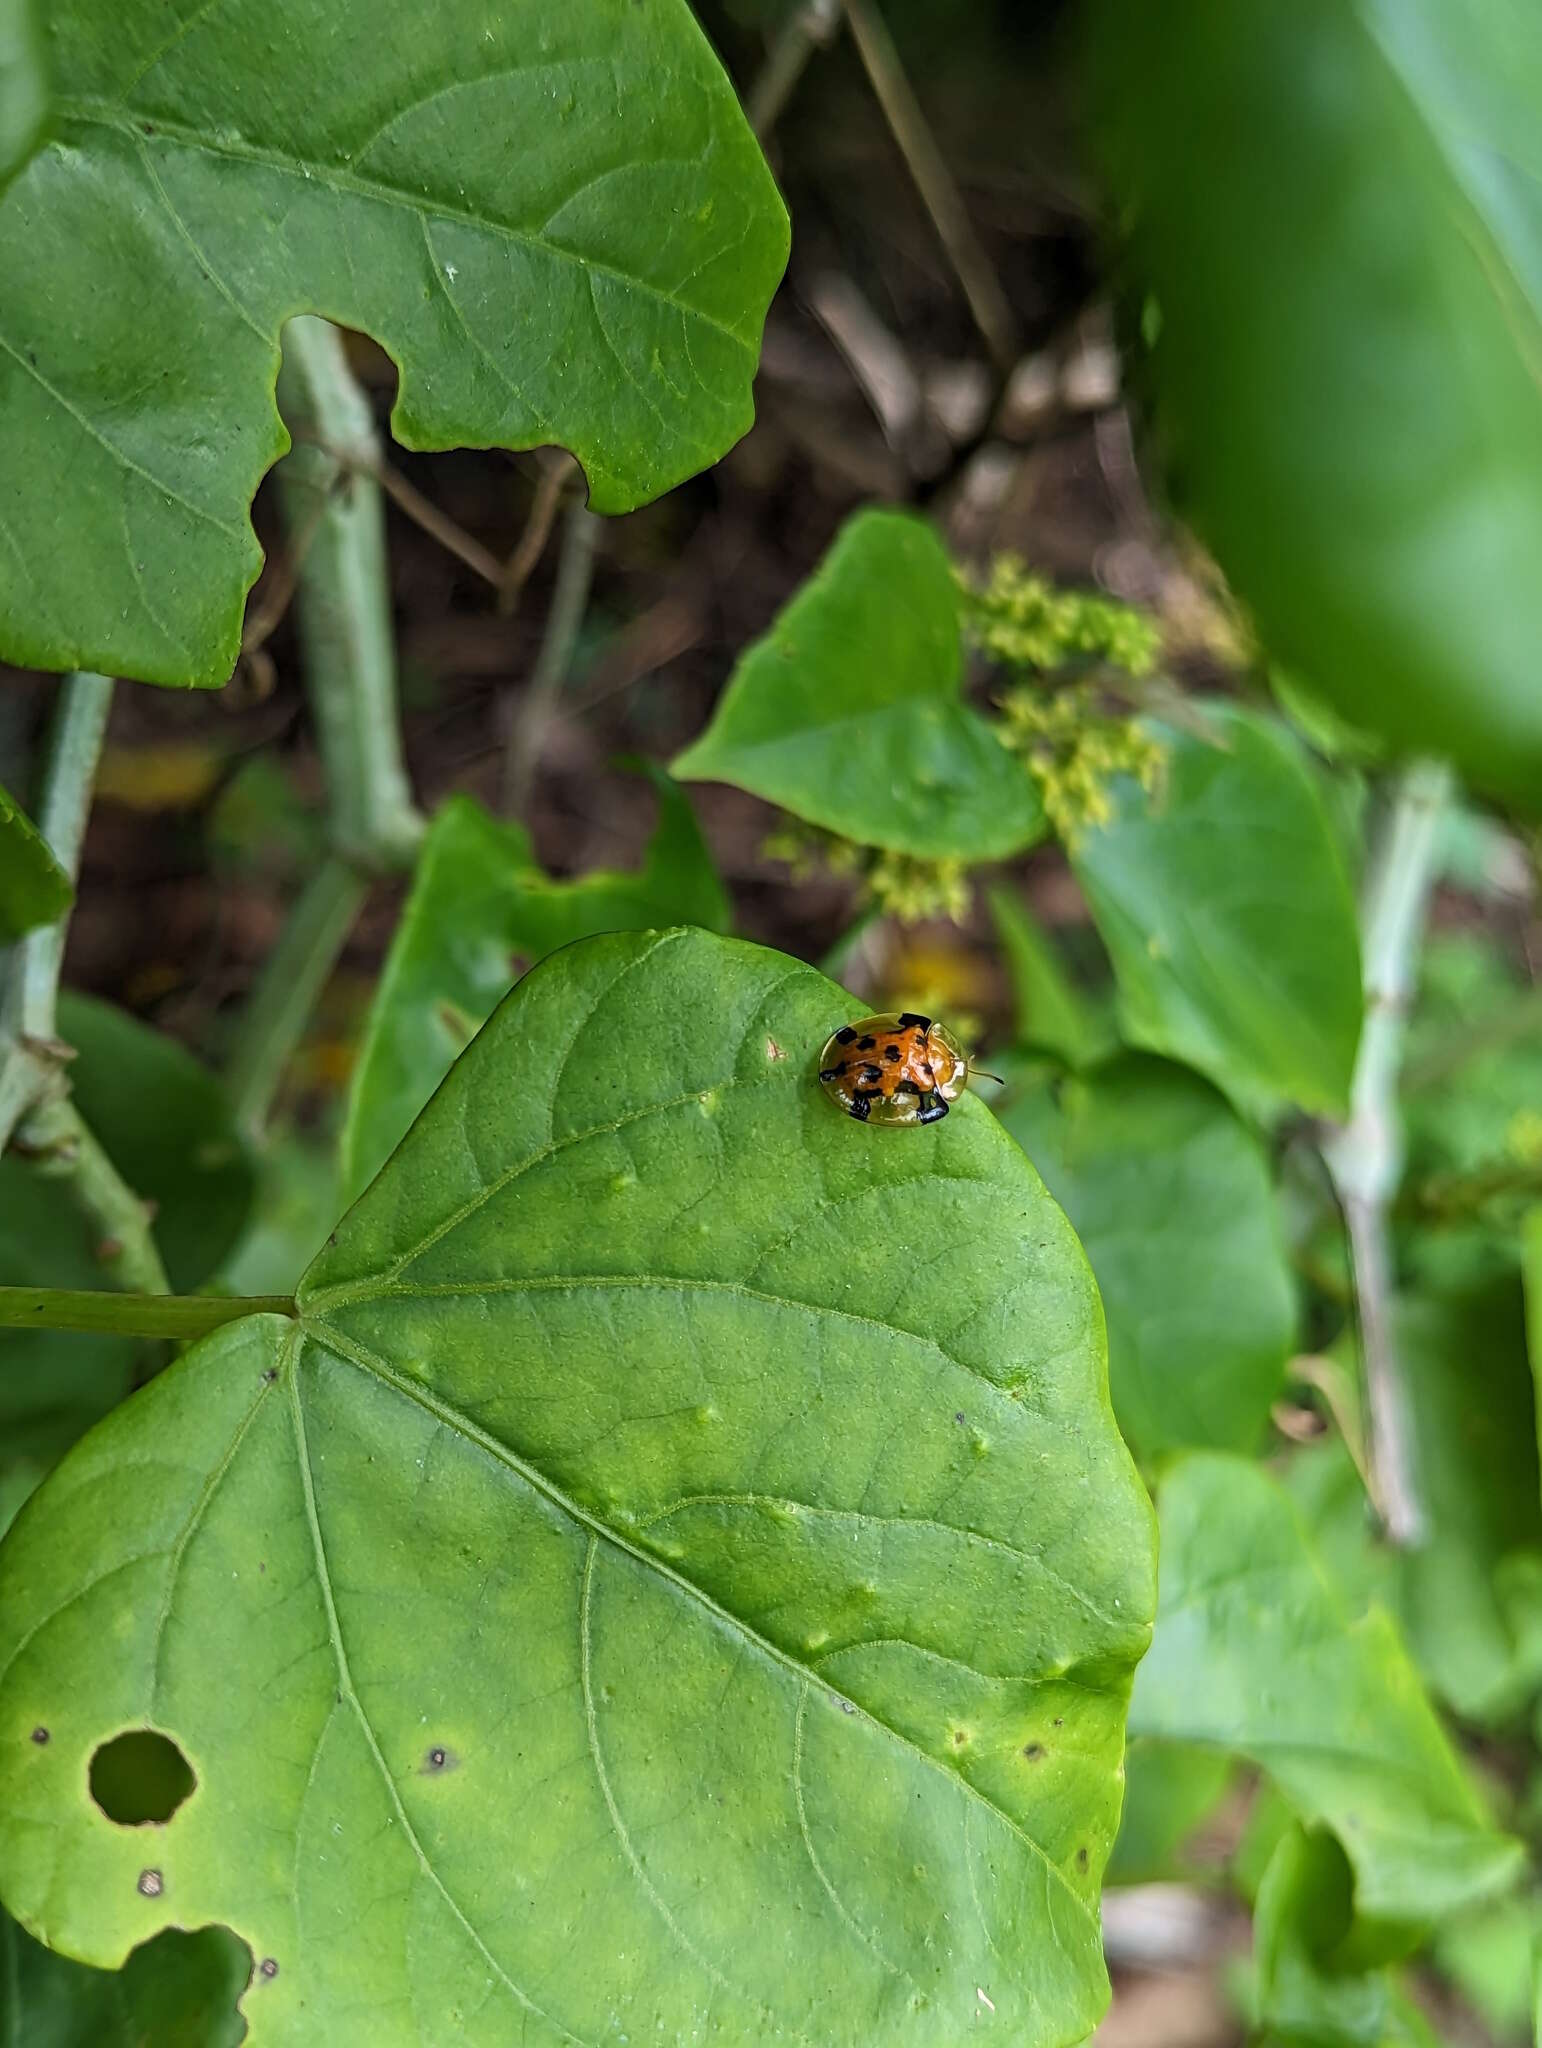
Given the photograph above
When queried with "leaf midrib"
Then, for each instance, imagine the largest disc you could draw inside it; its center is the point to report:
(350, 1351)
(105, 114)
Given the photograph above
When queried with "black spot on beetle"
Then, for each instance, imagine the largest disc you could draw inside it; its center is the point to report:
(1033, 1751)
(866, 1044)
(40, 1736)
(151, 1884)
(920, 1023)
(845, 1036)
(891, 1052)
(267, 1967)
(832, 1073)
(872, 1073)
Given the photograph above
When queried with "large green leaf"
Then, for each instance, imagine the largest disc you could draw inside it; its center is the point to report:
(178, 1991)
(1224, 902)
(165, 1123)
(480, 913)
(848, 712)
(1170, 1194)
(1341, 244)
(23, 84)
(554, 218)
(679, 1511)
(34, 889)
(1256, 1654)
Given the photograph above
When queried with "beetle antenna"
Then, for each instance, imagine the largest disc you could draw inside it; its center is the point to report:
(986, 1074)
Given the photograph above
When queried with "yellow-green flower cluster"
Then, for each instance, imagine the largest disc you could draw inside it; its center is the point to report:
(901, 884)
(1074, 751)
(1023, 622)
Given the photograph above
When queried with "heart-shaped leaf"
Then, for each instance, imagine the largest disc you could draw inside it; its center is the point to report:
(178, 1991)
(1340, 244)
(554, 218)
(479, 914)
(1170, 1194)
(1254, 1654)
(848, 712)
(34, 889)
(679, 1511)
(1224, 902)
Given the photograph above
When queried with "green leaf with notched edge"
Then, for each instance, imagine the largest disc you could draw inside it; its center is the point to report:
(1170, 1195)
(1341, 247)
(555, 219)
(680, 1512)
(1255, 1654)
(178, 1991)
(848, 712)
(34, 889)
(1225, 905)
(479, 914)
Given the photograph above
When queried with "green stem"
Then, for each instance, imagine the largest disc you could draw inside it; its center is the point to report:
(69, 774)
(342, 600)
(131, 1315)
(276, 1015)
(29, 1054)
(61, 1146)
(570, 601)
(1365, 1156)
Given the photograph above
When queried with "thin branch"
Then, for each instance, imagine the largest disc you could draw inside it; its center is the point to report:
(806, 29)
(934, 181)
(1365, 1156)
(517, 570)
(570, 601)
(131, 1315)
(295, 973)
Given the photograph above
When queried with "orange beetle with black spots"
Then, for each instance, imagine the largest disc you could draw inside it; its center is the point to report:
(901, 1070)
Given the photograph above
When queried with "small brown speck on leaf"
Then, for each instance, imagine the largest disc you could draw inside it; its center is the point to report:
(267, 1967)
(1060, 1720)
(774, 1051)
(1081, 1859)
(959, 1417)
(1033, 1751)
(40, 1735)
(108, 1249)
(151, 1884)
(270, 1376)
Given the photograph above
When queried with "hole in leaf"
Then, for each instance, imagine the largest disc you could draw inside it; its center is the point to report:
(140, 1777)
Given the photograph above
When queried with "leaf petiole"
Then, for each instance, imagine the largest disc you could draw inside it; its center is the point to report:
(131, 1315)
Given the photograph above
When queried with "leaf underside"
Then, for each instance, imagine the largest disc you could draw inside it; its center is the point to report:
(555, 220)
(679, 1512)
